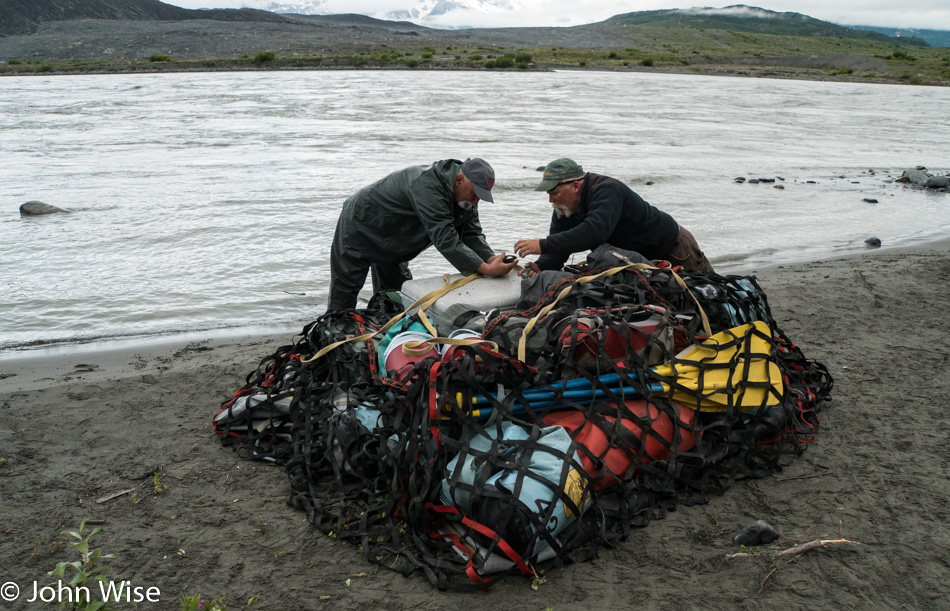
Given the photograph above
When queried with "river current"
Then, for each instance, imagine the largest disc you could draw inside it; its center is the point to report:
(207, 202)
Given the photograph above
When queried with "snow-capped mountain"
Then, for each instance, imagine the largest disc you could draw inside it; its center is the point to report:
(429, 10)
(433, 13)
(299, 7)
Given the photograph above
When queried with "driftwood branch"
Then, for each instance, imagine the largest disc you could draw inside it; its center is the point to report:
(786, 479)
(798, 550)
(794, 552)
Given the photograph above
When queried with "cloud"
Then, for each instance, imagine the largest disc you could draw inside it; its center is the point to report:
(740, 11)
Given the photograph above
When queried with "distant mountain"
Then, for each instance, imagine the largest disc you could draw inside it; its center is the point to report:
(428, 11)
(25, 16)
(300, 7)
(934, 38)
(423, 12)
(742, 18)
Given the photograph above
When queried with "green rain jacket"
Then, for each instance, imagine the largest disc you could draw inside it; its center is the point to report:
(399, 216)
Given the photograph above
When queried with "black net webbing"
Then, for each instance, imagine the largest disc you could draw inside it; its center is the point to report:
(635, 390)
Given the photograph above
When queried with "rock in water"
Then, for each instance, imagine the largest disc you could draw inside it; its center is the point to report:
(39, 209)
(759, 532)
(915, 176)
(873, 242)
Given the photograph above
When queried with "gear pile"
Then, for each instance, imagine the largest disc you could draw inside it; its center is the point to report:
(550, 430)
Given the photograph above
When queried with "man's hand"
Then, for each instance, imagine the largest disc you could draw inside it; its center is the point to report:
(496, 266)
(530, 270)
(528, 247)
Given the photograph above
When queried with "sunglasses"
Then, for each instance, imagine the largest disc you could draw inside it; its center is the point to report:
(560, 184)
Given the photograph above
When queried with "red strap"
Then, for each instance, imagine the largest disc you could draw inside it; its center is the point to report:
(484, 530)
(435, 415)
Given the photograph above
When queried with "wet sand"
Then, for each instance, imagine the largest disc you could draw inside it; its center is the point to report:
(82, 434)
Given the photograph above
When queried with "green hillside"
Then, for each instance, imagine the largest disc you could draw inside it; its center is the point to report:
(741, 18)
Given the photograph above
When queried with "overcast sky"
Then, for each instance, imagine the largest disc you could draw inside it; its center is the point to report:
(929, 14)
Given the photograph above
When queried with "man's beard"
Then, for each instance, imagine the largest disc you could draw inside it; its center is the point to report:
(466, 204)
(562, 212)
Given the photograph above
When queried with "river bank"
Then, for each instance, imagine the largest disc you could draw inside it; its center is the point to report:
(244, 65)
(84, 434)
(103, 46)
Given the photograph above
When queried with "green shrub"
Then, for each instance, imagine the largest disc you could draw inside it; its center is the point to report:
(427, 56)
(475, 57)
(490, 64)
(411, 63)
(159, 58)
(86, 574)
(428, 50)
(523, 58)
(264, 56)
(505, 61)
(612, 55)
(14, 62)
(647, 62)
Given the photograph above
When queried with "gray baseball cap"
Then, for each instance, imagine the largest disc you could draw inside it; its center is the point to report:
(558, 170)
(481, 175)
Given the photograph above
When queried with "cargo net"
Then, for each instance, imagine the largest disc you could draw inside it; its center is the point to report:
(549, 434)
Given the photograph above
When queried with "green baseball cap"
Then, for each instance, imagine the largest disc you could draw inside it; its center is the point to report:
(558, 170)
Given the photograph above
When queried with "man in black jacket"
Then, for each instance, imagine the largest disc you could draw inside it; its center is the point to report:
(590, 210)
(387, 224)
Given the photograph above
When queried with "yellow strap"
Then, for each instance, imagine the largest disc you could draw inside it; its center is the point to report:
(702, 313)
(427, 323)
(522, 343)
(423, 302)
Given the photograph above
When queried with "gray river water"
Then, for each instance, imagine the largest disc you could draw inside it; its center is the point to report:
(208, 201)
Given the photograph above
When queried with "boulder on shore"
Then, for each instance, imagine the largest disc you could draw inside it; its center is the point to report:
(921, 178)
(39, 209)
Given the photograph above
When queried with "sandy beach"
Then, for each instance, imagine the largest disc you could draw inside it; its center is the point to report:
(82, 435)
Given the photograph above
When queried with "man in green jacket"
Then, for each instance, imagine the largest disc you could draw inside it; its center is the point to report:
(387, 224)
(590, 210)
